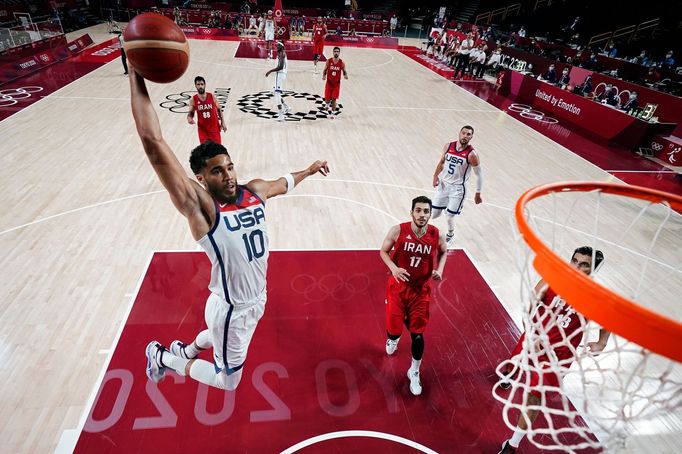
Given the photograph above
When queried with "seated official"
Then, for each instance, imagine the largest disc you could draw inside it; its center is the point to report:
(632, 102)
(550, 75)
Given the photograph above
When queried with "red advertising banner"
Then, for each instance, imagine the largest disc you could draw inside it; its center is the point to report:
(28, 50)
(27, 65)
(363, 41)
(602, 121)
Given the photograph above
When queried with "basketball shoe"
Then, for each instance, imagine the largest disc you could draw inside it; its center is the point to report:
(287, 109)
(155, 371)
(391, 346)
(449, 237)
(178, 349)
(415, 384)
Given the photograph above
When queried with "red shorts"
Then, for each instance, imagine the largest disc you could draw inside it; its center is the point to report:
(404, 302)
(318, 47)
(212, 136)
(549, 377)
(331, 90)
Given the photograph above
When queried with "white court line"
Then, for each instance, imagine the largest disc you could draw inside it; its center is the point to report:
(358, 433)
(640, 171)
(85, 97)
(59, 89)
(94, 205)
(345, 200)
(432, 108)
(62, 448)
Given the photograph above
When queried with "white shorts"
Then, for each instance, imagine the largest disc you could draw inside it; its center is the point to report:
(449, 198)
(280, 78)
(231, 330)
(269, 35)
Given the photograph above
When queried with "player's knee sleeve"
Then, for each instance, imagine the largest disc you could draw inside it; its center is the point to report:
(417, 345)
(229, 382)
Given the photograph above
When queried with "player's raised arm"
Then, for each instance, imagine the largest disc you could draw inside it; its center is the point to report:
(400, 274)
(270, 188)
(182, 190)
(439, 166)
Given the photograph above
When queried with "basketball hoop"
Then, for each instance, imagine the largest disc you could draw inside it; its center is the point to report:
(598, 399)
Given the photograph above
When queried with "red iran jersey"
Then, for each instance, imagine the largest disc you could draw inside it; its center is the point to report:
(416, 254)
(334, 71)
(563, 324)
(207, 113)
(318, 32)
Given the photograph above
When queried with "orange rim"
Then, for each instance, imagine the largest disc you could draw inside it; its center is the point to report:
(612, 311)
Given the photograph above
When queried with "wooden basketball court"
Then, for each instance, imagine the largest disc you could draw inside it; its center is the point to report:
(83, 210)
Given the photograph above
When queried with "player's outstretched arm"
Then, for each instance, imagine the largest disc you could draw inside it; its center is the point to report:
(267, 189)
(400, 274)
(182, 190)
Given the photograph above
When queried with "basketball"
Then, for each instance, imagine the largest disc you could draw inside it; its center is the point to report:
(156, 47)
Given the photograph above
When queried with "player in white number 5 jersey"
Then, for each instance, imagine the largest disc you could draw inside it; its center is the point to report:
(450, 178)
(228, 222)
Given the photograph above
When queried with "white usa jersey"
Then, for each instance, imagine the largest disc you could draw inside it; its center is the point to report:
(237, 246)
(269, 26)
(456, 169)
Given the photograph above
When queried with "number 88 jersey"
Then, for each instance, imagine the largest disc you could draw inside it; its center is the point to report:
(237, 246)
(416, 254)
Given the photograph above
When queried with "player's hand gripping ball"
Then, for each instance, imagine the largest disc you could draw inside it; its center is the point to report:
(156, 47)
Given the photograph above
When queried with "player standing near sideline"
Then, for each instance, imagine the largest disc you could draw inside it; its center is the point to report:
(268, 31)
(319, 33)
(417, 247)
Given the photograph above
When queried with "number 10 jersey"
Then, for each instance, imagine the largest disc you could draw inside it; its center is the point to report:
(237, 246)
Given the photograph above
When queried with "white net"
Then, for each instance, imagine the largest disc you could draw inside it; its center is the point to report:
(585, 399)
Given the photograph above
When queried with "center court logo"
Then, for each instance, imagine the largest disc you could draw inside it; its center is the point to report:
(262, 105)
(527, 111)
(179, 102)
(11, 96)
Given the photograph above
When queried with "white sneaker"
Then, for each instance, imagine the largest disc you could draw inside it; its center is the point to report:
(155, 372)
(415, 384)
(315, 70)
(391, 346)
(178, 349)
(280, 117)
(449, 237)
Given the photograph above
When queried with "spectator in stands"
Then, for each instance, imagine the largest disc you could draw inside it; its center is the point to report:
(565, 79)
(608, 96)
(668, 61)
(493, 62)
(394, 24)
(528, 70)
(550, 75)
(642, 59)
(465, 48)
(611, 51)
(478, 58)
(177, 15)
(352, 32)
(652, 76)
(452, 52)
(339, 32)
(585, 88)
(592, 63)
(252, 25)
(632, 102)
(522, 32)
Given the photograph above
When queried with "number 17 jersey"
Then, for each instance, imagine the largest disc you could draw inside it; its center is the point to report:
(237, 246)
(416, 254)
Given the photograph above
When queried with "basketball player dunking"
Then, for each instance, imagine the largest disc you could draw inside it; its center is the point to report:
(228, 221)
(319, 33)
(209, 116)
(332, 73)
(416, 247)
(451, 176)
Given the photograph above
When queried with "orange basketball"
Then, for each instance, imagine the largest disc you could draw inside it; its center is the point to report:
(156, 48)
